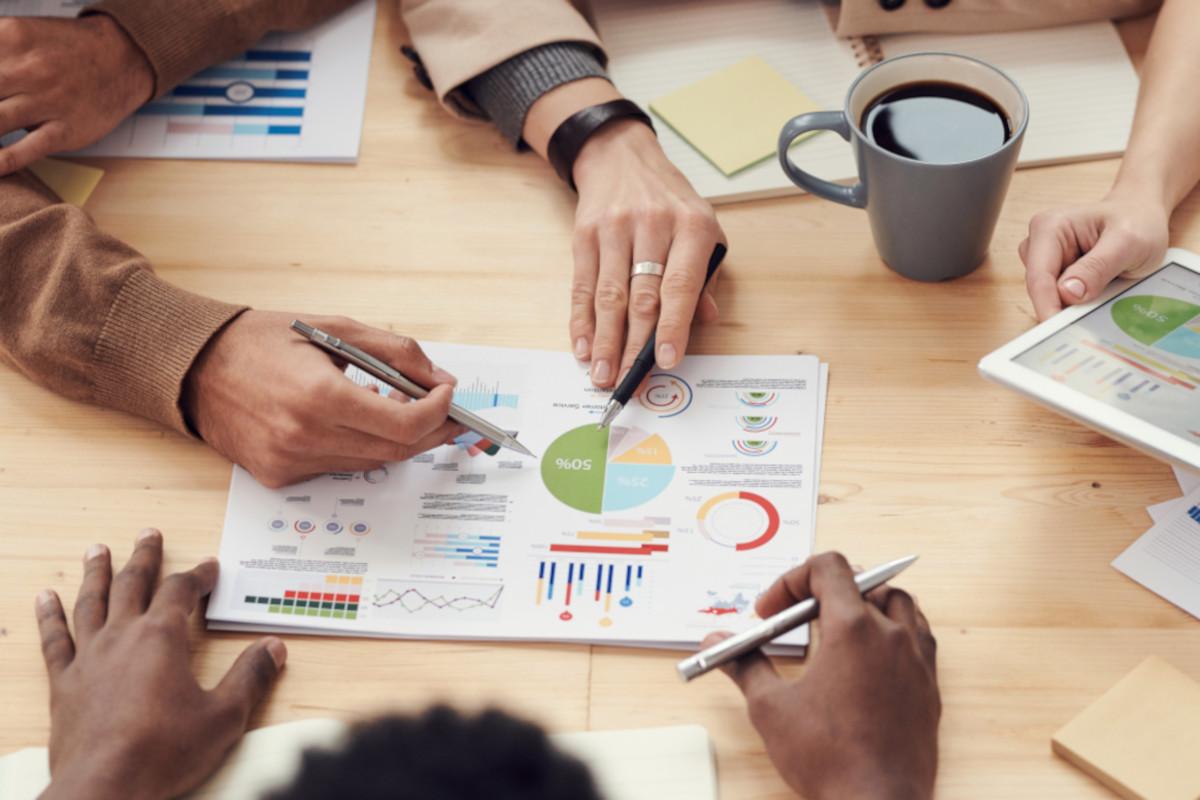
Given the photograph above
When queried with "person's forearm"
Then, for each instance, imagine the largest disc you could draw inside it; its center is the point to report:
(1162, 161)
(84, 315)
(555, 106)
(180, 39)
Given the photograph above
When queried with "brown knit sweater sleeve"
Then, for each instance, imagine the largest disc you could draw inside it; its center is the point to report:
(84, 315)
(182, 37)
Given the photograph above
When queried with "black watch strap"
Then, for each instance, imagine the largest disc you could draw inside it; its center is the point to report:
(575, 130)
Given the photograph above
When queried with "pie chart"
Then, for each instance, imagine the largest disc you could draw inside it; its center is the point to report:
(1163, 322)
(613, 469)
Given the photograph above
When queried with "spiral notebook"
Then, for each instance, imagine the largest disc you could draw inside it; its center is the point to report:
(1081, 86)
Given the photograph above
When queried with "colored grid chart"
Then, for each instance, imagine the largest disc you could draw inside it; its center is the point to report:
(738, 520)
(597, 586)
(611, 469)
(336, 597)
(463, 549)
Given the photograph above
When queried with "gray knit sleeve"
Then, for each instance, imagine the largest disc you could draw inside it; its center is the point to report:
(506, 91)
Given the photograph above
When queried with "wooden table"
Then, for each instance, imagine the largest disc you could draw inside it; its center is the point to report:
(1016, 511)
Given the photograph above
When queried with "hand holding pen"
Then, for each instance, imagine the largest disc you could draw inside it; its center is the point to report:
(263, 398)
(862, 719)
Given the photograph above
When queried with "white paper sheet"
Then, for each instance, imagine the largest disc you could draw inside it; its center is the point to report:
(292, 97)
(657, 48)
(1188, 480)
(1166, 559)
(654, 534)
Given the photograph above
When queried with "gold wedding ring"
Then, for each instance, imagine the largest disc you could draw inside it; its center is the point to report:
(648, 268)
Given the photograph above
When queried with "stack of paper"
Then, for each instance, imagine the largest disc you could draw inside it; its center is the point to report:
(673, 763)
(1166, 559)
(292, 97)
(652, 533)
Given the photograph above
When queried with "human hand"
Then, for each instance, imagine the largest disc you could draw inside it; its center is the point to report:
(634, 205)
(269, 400)
(1072, 254)
(127, 717)
(68, 81)
(862, 721)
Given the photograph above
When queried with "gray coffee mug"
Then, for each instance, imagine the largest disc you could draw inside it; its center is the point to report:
(931, 222)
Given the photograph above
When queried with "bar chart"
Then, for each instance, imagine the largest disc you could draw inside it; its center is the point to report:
(478, 550)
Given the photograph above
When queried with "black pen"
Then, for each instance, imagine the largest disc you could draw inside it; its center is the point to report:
(644, 363)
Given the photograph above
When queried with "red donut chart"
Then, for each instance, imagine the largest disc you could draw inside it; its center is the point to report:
(725, 539)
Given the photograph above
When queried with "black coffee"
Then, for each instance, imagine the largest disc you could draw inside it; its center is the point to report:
(936, 122)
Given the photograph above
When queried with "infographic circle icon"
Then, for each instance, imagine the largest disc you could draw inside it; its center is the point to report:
(611, 469)
(304, 526)
(738, 520)
(757, 399)
(666, 395)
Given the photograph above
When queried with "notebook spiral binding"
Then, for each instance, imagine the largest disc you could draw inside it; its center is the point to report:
(867, 50)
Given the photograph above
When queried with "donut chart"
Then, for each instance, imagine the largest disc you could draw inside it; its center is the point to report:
(738, 520)
(666, 395)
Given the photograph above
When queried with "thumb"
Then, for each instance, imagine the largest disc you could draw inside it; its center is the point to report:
(753, 673)
(252, 676)
(1084, 280)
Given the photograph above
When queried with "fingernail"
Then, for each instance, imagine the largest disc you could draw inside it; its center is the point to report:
(147, 534)
(581, 348)
(278, 651)
(1074, 287)
(45, 598)
(441, 376)
(667, 355)
(601, 371)
(95, 551)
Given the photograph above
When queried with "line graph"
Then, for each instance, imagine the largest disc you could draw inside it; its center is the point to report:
(412, 598)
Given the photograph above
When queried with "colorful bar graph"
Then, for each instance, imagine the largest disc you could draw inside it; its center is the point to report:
(640, 543)
(469, 549)
(189, 90)
(232, 129)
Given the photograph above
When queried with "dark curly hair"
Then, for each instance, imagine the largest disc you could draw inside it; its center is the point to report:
(442, 755)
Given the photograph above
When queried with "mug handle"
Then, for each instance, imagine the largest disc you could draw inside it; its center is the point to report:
(835, 121)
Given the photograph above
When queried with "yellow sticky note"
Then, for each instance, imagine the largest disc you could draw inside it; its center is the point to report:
(74, 183)
(1139, 739)
(733, 117)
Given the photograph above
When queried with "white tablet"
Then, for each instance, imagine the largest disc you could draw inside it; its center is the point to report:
(1127, 364)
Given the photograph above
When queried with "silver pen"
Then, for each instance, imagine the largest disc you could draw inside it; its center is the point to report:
(378, 369)
(775, 626)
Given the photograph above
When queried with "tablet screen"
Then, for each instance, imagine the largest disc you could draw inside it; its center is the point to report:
(1139, 352)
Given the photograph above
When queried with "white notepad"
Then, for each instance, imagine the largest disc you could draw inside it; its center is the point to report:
(1081, 85)
(673, 763)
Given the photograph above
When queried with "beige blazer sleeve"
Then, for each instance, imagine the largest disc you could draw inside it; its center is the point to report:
(863, 17)
(460, 39)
